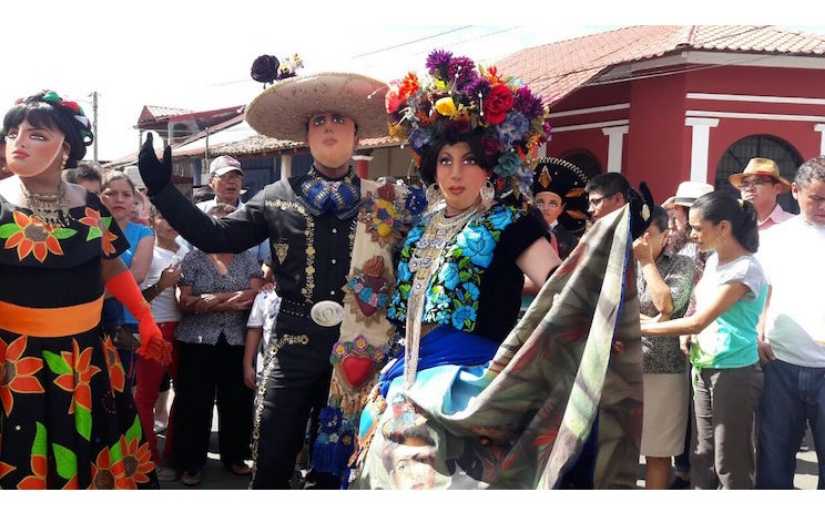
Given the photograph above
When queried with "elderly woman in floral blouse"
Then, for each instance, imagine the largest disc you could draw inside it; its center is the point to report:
(665, 282)
(215, 292)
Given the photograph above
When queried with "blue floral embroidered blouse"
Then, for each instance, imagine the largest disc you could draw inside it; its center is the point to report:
(477, 287)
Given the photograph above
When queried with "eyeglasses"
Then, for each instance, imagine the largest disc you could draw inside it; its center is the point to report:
(757, 181)
(319, 120)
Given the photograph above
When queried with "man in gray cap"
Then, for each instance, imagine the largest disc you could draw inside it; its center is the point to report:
(226, 180)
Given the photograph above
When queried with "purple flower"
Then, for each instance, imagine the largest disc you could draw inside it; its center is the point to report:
(476, 86)
(438, 61)
(527, 103)
(546, 128)
(462, 70)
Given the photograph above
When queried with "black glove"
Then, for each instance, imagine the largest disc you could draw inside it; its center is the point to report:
(641, 207)
(155, 174)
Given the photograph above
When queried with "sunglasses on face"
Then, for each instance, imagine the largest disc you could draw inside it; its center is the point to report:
(753, 183)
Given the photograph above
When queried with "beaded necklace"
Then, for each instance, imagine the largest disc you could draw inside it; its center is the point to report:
(425, 261)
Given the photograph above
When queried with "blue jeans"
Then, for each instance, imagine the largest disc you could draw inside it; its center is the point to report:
(792, 395)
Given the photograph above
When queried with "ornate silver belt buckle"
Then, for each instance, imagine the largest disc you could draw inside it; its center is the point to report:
(327, 313)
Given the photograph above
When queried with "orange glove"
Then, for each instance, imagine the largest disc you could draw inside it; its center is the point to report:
(152, 346)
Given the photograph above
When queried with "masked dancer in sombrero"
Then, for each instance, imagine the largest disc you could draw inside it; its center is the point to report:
(67, 420)
(324, 227)
(470, 402)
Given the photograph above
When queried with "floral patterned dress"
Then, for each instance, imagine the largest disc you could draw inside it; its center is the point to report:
(66, 421)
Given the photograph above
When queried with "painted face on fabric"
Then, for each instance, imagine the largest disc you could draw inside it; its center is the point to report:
(331, 138)
(30, 150)
(550, 205)
(459, 176)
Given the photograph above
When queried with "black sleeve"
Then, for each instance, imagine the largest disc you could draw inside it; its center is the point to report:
(236, 233)
(521, 234)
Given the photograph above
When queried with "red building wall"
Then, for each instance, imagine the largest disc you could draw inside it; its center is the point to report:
(658, 146)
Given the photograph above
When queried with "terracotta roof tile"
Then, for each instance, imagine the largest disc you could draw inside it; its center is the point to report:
(556, 69)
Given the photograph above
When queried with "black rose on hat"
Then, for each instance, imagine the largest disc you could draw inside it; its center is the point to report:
(265, 69)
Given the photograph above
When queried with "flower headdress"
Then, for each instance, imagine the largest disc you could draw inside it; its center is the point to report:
(51, 97)
(460, 97)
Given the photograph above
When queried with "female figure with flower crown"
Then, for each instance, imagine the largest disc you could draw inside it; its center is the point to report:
(476, 400)
(67, 420)
(461, 269)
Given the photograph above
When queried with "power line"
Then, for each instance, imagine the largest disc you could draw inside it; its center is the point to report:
(419, 40)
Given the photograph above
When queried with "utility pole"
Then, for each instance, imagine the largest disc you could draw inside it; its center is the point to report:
(94, 122)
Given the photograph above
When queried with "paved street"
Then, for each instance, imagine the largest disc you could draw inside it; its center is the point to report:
(216, 477)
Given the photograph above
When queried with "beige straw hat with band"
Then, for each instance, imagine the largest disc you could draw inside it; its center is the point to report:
(283, 110)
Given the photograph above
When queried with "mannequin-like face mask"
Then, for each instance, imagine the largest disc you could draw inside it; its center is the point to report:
(30, 150)
(331, 139)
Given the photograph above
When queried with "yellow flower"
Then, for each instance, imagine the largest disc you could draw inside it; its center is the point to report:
(397, 131)
(445, 106)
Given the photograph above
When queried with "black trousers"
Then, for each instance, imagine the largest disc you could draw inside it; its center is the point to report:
(207, 373)
(296, 383)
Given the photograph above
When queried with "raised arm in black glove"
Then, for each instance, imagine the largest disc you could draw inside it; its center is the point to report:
(155, 174)
(641, 206)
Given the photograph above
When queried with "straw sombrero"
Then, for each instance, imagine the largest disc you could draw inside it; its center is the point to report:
(282, 110)
(760, 167)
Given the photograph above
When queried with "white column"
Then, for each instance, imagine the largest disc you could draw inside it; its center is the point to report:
(615, 144)
(820, 128)
(286, 165)
(700, 141)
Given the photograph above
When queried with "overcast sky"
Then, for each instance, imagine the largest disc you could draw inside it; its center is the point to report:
(197, 55)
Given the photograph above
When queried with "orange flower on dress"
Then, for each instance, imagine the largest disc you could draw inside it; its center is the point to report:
(16, 373)
(30, 235)
(117, 375)
(99, 228)
(133, 468)
(102, 475)
(76, 379)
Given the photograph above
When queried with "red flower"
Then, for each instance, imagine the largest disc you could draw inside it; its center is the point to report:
(16, 373)
(498, 102)
(392, 101)
(117, 376)
(72, 105)
(409, 85)
(102, 475)
(133, 467)
(77, 379)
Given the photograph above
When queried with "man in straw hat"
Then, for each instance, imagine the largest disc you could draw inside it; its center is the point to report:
(761, 183)
(322, 228)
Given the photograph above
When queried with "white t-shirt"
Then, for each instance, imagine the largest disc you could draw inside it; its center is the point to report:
(165, 306)
(792, 255)
(263, 314)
